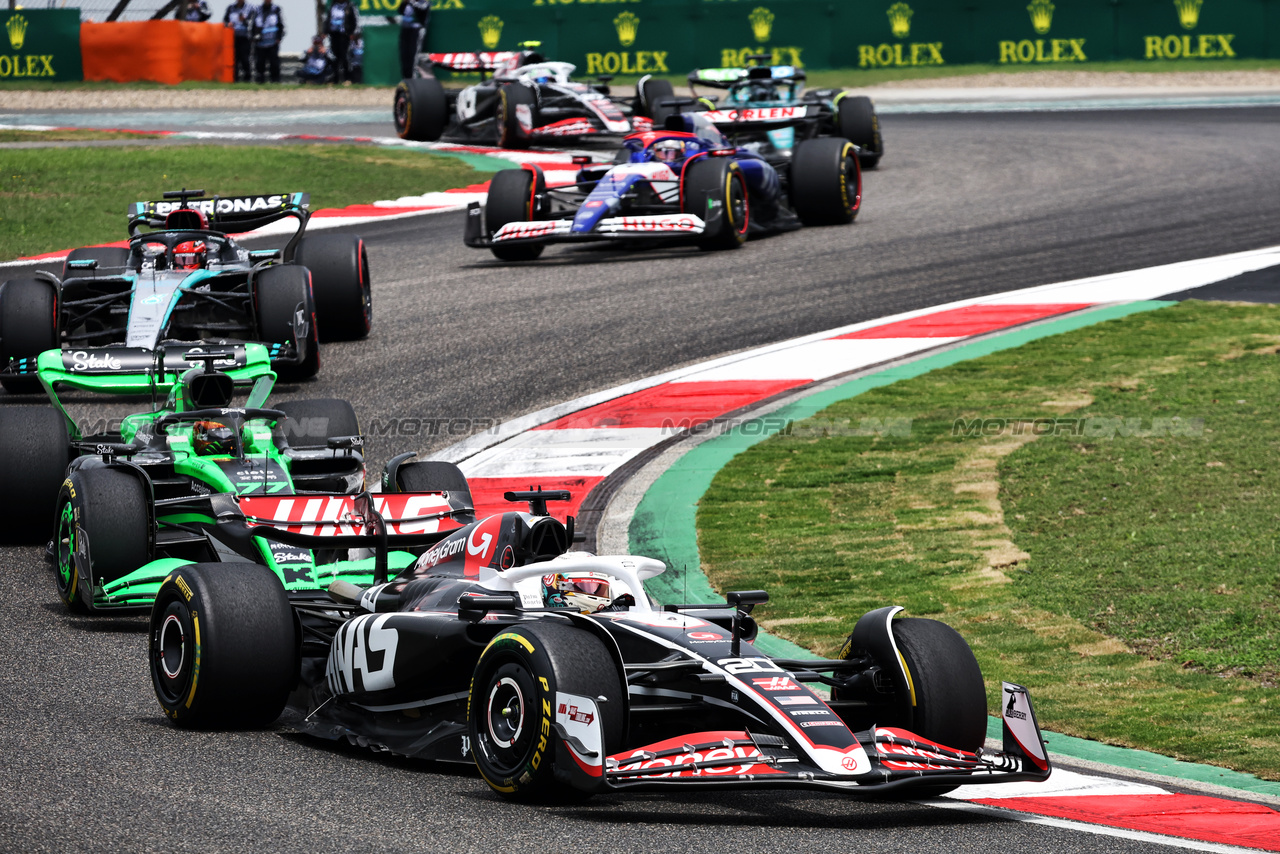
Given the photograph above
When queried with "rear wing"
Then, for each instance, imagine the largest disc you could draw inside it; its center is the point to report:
(762, 118)
(481, 61)
(724, 78)
(228, 214)
(405, 519)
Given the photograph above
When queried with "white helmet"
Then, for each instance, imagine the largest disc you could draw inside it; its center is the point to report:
(586, 592)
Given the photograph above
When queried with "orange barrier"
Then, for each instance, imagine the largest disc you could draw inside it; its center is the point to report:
(161, 51)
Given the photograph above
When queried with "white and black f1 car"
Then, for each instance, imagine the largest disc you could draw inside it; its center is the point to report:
(526, 100)
(182, 280)
(553, 670)
(685, 182)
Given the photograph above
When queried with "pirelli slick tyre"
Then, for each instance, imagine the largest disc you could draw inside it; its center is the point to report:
(433, 476)
(28, 327)
(111, 260)
(222, 647)
(312, 423)
(826, 181)
(34, 452)
(856, 121)
(103, 531)
(714, 189)
(513, 197)
(420, 109)
(946, 684)
(279, 294)
(339, 268)
(512, 706)
(517, 115)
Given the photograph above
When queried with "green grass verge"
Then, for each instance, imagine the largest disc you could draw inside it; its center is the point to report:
(56, 198)
(69, 135)
(1128, 575)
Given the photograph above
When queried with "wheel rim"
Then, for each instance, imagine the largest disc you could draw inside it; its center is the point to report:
(65, 541)
(738, 204)
(505, 713)
(852, 174)
(169, 646)
(401, 110)
(366, 290)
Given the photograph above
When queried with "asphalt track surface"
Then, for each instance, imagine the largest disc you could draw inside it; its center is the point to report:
(963, 205)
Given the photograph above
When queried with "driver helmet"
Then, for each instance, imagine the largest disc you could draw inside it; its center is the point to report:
(668, 150)
(189, 255)
(213, 438)
(586, 592)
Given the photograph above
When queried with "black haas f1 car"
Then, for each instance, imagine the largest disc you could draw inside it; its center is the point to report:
(767, 110)
(526, 100)
(553, 670)
(686, 182)
(117, 311)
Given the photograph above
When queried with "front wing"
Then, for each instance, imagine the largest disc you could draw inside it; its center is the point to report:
(672, 225)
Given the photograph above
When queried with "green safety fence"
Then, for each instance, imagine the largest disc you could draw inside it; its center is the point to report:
(40, 44)
(673, 36)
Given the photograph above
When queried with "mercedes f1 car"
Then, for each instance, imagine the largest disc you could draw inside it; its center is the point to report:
(767, 110)
(129, 506)
(526, 100)
(686, 182)
(553, 671)
(182, 281)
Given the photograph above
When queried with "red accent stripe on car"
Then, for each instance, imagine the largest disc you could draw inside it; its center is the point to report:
(486, 493)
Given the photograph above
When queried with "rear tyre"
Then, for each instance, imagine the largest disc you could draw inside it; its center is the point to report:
(222, 646)
(950, 698)
(512, 198)
(715, 190)
(28, 327)
(312, 423)
(517, 115)
(103, 532)
(339, 268)
(826, 181)
(34, 453)
(515, 681)
(280, 294)
(420, 109)
(857, 122)
(111, 260)
(433, 476)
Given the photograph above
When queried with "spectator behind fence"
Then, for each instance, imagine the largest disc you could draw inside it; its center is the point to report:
(356, 56)
(268, 30)
(239, 18)
(340, 24)
(198, 11)
(414, 15)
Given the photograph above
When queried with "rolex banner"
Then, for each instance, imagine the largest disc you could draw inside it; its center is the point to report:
(632, 37)
(40, 44)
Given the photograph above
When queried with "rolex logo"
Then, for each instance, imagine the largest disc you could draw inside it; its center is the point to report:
(627, 24)
(1188, 12)
(900, 20)
(1041, 15)
(761, 23)
(490, 30)
(17, 27)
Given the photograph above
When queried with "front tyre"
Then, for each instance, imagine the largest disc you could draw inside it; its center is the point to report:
(34, 453)
(28, 327)
(420, 109)
(222, 647)
(339, 267)
(826, 181)
(103, 532)
(513, 701)
(517, 106)
(950, 698)
(283, 295)
(514, 197)
(856, 121)
(715, 190)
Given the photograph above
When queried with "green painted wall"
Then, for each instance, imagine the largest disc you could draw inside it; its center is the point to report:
(40, 44)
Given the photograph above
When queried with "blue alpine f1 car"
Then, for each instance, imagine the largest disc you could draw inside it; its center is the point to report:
(684, 182)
